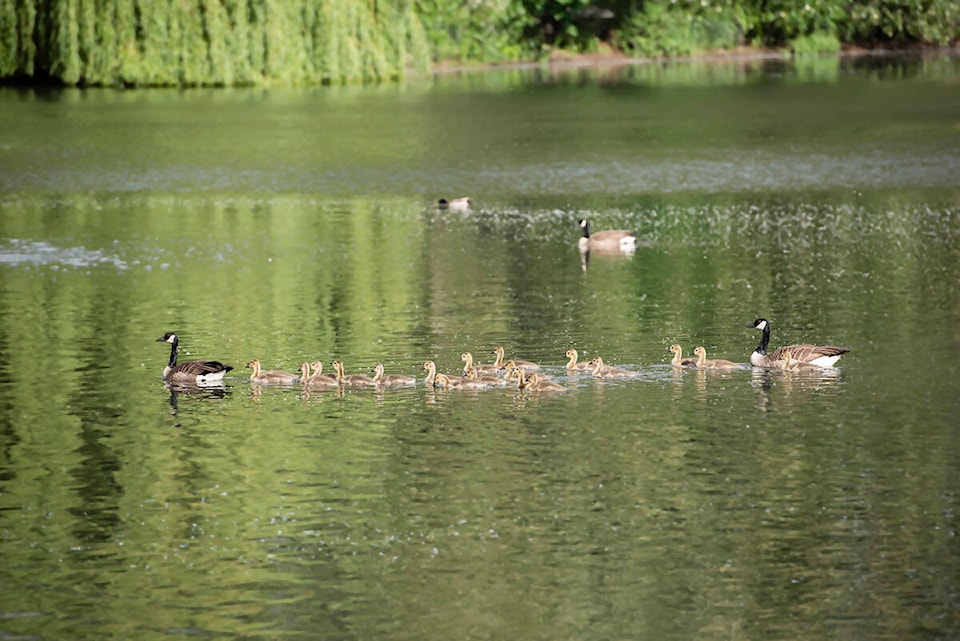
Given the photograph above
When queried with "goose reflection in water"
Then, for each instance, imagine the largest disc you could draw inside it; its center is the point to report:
(195, 392)
(783, 388)
(585, 255)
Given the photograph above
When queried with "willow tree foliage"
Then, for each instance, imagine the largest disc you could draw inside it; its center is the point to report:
(210, 42)
(231, 42)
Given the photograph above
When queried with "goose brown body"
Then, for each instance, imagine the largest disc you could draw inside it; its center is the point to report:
(608, 240)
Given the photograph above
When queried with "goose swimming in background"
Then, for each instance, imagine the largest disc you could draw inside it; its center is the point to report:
(197, 372)
(678, 360)
(458, 205)
(270, 376)
(820, 356)
(609, 240)
(718, 363)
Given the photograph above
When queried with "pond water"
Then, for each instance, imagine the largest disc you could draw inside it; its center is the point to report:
(295, 225)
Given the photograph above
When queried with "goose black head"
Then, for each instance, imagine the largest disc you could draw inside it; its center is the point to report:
(760, 323)
(169, 337)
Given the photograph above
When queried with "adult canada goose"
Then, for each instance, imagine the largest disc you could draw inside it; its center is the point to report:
(357, 380)
(573, 364)
(678, 360)
(718, 363)
(609, 240)
(459, 205)
(467, 359)
(526, 365)
(820, 356)
(605, 371)
(270, 376)
(391, 380)
(195, 372)
(317, 378)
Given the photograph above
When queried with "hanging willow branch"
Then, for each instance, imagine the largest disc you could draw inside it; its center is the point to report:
(208, 42)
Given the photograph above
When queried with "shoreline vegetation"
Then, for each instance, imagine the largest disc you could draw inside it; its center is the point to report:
(141, 43)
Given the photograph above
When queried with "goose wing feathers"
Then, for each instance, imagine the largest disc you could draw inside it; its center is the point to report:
(200, 368)
(806, 353)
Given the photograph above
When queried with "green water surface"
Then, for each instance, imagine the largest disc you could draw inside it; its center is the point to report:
(294, 225)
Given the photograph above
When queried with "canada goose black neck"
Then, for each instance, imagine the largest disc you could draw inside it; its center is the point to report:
(585, 225)
(171, 338)
(764, 325)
